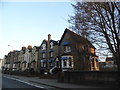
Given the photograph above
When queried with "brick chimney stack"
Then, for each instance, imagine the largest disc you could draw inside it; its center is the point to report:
(29, 47)
(23, 48)
(49, 37)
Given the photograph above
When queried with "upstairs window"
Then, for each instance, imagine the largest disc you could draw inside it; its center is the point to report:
(43, 55)
(51, 45)
(67, 48)
(44, 47)
(51, 54)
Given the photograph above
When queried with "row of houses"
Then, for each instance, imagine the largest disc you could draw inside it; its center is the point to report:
(71, 52)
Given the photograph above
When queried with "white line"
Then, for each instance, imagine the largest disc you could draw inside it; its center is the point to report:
(23, 82)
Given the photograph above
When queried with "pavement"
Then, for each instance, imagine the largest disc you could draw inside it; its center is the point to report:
(51, 82)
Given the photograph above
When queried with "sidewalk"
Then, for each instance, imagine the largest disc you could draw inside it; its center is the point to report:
(50, 82)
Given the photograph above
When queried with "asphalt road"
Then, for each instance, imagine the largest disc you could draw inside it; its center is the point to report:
(15, 84)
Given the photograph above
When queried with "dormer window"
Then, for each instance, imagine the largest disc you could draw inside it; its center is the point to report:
(43, 46)
(51, 45)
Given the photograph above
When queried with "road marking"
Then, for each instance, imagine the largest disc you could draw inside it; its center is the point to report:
(23, 82)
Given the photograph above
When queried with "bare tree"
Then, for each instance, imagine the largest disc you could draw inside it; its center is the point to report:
(100, 23)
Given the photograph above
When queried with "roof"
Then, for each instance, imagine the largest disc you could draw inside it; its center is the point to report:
(55, 42)
(37, 47)
(77, 38)
(43, 42)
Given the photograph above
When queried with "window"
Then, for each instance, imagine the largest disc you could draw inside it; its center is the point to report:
(44, 64)
(43, 46)
(19, 65)
(24, 64)
(43, 55)
(41, 63)
(51, 64)
(65, 63)
(67, 49)
(51, 54)
(28, 65)
(70, 61)
(51, 45)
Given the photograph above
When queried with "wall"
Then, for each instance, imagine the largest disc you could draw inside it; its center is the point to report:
(97, 77)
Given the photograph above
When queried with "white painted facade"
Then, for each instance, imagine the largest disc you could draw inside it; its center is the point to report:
(34, 58)
(27, 59)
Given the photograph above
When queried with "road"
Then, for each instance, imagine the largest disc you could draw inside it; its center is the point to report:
(15, 84)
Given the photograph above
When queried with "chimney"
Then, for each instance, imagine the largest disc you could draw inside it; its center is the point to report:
(29, 46)
(49, 37)
(23, 48)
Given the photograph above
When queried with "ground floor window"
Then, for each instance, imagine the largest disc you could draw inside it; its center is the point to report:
(70, 61)
(51, 64)
(67, 61)
(43, 63)
(19, 65)
(24, 64)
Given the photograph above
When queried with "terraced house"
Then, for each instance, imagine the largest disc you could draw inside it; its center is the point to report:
(34, 58)
(71, 52)
(27, 58)
(47, 54)
(11, 60)
(6, 64)
(15, 60)
(21, 58)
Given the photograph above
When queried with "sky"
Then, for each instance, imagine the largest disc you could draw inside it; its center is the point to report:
(29, 23)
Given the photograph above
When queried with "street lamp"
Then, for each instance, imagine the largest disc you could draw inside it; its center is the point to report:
(11, 47)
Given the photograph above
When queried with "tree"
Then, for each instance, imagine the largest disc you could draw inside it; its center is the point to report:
(100, 23)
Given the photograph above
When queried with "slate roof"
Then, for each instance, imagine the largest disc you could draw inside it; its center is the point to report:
(55, 42)
(77, 38)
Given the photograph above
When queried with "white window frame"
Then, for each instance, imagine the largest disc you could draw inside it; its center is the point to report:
(67, 62)
(41, 63)
(67, 48)
(51, 45)
(51, 54)
(43, 46)
(44, 64)
(43, 55)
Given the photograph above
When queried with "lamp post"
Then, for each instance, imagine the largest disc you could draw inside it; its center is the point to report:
(11, 47)
(11, 58)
